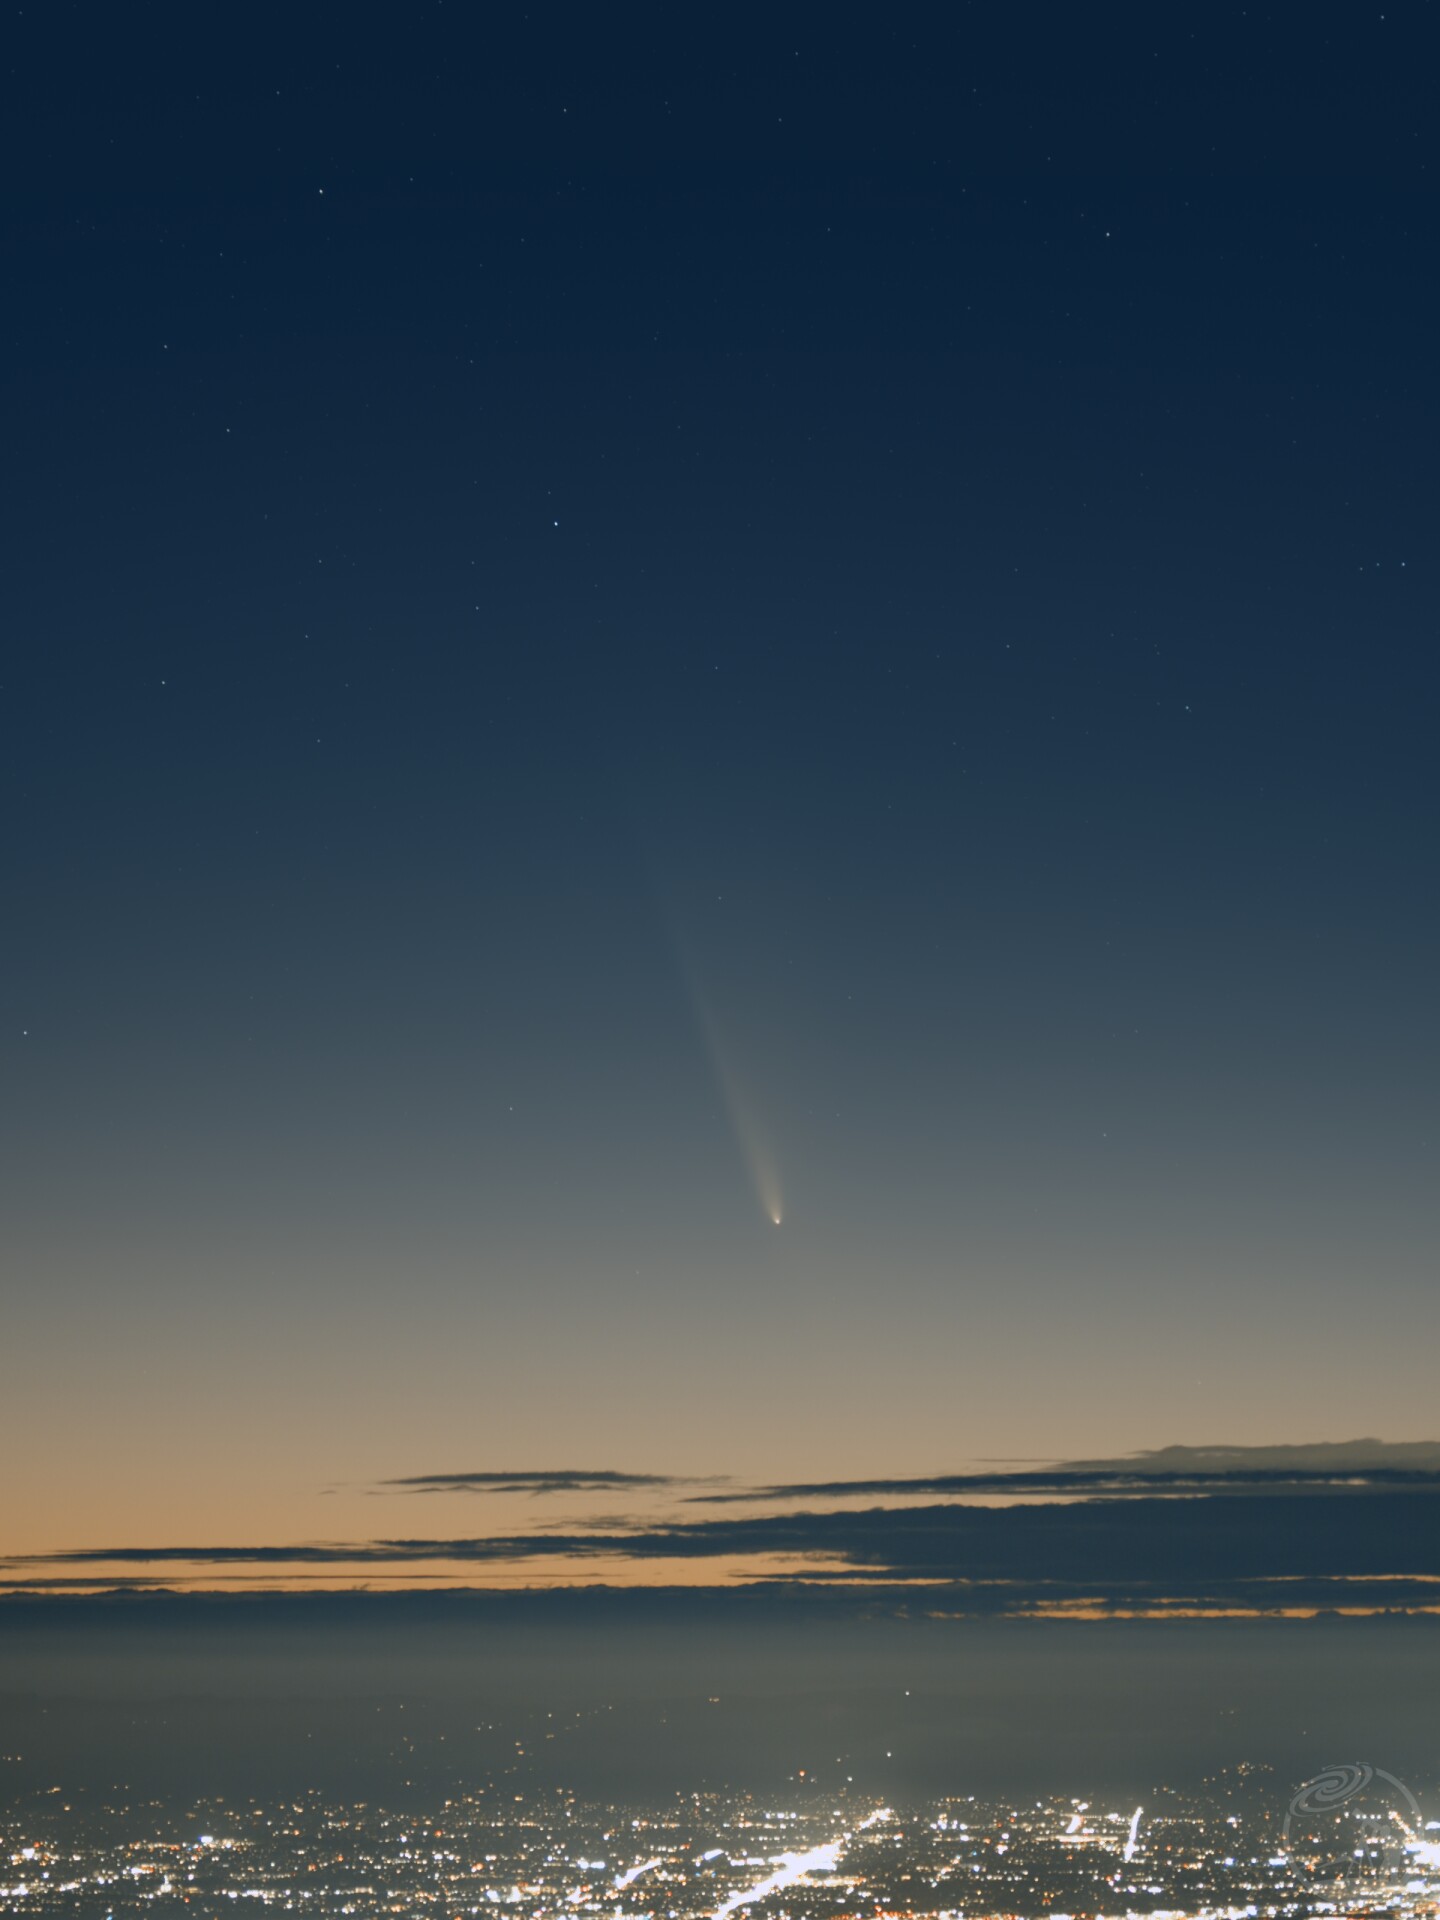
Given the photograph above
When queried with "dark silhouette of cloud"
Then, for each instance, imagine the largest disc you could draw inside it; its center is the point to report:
(1371, 1547)
(1353, 1464)
(1314, 1457)
(544, 1480)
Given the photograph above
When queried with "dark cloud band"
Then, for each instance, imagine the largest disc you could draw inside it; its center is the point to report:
(1355, 1465)
(1273, 1551)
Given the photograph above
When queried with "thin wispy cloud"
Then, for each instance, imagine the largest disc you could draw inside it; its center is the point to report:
(1353, 1464)
(540, 1481)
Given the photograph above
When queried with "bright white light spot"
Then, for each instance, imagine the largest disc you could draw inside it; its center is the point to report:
(632, 1874)
(1134, 1829)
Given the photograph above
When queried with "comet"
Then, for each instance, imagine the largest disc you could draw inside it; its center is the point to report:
(757, 1152)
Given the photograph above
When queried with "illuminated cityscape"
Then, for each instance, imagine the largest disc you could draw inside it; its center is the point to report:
(713, 1854)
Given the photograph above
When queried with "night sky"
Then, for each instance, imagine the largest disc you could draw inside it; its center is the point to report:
(719, 764)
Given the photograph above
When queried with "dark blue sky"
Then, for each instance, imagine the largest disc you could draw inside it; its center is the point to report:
(621, 622)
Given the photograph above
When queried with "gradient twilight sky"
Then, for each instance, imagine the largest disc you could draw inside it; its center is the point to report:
(618, 622)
